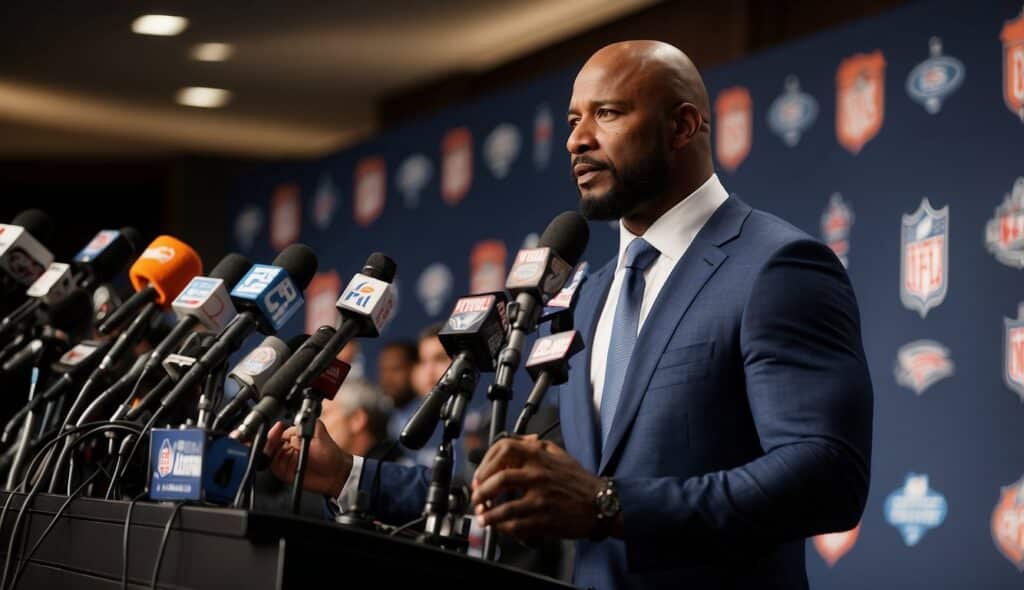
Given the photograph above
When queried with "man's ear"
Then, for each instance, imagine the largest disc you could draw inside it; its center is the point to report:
(359, 421)
(687, 123)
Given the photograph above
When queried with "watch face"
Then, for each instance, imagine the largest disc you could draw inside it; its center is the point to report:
(608, 504)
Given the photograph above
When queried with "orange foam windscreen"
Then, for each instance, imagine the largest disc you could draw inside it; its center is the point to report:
(168, 264)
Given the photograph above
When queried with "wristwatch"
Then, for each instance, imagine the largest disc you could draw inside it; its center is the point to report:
(607, 507)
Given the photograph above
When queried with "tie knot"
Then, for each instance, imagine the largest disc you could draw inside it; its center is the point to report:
(640, 254)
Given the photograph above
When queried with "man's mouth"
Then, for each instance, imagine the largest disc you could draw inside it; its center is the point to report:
(586, 172)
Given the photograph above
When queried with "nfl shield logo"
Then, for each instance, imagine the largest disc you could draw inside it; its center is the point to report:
(1008, 523)
(1004, 233)
(935, 78)
(860, 101)
(370, 190)
(542, 135)
(285, 215)
(1013, 65)
(456, 165)
(924, 275)
(324, 202)
(165, 461)
(836, 222)
(792, 113)
(1013, 357)
(321, 295)
(487, 266)
(734, 111)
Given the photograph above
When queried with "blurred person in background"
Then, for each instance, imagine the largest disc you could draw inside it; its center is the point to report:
(357, 420)
(395, 365)
(433, 362)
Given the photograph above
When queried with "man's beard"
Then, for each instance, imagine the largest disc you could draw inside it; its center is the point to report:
(635, 186)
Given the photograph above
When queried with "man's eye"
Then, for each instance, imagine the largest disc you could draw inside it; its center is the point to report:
(605, 113)
(573, 122)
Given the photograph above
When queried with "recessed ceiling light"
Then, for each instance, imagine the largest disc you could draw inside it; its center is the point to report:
(212, 51)
(159, 24)
(199, 96)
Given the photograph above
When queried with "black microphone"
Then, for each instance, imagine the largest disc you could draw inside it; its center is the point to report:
(23, 253)
(278, 386)
(472, 336)
(204, 303)
(68, 319)
(268, 295)
(105, 256)
(365, 307)
(253, 372)
(548, 364)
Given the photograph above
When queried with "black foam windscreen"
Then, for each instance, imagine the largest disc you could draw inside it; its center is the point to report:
(37, 223)
(72, 313)
(296, 342)
(281, 382)
(231, 269)
(381, 267)
(567, 235)
(300, 262)
(134, 239)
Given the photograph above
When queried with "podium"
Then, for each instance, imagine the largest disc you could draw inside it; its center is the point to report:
(212, 547)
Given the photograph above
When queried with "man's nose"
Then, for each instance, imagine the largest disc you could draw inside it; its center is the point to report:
(581, 138)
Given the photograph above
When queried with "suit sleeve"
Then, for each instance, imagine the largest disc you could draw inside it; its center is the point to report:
(401, 490)
(810, 396)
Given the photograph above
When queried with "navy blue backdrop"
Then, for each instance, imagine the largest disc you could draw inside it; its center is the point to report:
(871, 120)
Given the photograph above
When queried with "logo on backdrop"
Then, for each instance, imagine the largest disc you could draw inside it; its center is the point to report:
(921, 364)
(413, 175)
(932, 80)
(456, 165)
(321, 294)
(734, 111)
(1008, 523)
(1004, 233)
(924, 264)
(1012, 37)
(285, 215)
(543, 131)
(248, 225)
(860, 99)
(501, 149)
(325, 202)
(370, 190)
(833, 546)
(792, 112)
(836, 222)
(487, 266)
(915, 509)
(1013, 352)
(434, 287)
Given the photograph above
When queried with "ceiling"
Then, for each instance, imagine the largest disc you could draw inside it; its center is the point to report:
(305, 74)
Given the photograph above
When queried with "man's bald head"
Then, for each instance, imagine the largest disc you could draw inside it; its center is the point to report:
(660, 68)
(640, 139)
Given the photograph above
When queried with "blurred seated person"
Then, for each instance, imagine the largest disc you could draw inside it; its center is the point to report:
(357, 420)
(395, 365)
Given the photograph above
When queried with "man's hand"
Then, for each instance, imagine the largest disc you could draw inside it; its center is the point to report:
(327, 468)
(557, 493)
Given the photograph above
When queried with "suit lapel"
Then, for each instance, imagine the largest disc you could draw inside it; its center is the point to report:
(579, 423)
(689, 276)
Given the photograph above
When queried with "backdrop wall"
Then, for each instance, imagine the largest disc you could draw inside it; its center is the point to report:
(899, 141)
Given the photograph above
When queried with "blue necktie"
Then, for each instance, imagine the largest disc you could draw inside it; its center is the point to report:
(639, 256)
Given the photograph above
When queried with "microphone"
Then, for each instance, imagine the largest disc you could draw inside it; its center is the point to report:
(159, 274)
(253, 372)
(68, 318)
(365, 307)
(559, 309)
(536, 275)
(23, 257)
(548, 364)
(278, 386)
(268, 296)
(472, 336)
(106, 255)
(203, 303)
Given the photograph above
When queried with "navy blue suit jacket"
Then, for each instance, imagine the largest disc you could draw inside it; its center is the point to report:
(745, 419)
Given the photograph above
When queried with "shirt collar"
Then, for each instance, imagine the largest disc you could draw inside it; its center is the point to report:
(674, 231)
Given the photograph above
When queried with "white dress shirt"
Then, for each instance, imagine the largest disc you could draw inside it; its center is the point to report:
(671, 234)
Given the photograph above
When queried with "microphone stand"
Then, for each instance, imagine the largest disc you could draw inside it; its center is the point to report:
(305, 420)
(442, 527)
